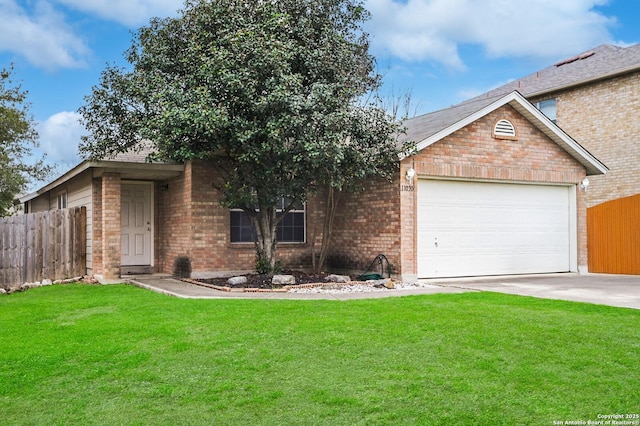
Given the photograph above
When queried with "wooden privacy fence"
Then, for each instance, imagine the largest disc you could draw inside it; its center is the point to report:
(613, 235)
(46, 245)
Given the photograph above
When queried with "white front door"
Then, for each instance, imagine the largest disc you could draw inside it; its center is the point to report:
(136, 224)
(489, 228)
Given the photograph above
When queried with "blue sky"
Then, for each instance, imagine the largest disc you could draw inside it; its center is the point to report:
(440, 51)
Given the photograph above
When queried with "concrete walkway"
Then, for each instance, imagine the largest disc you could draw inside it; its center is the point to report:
(612, 290)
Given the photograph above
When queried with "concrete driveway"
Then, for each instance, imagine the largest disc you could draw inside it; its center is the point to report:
(603, 289)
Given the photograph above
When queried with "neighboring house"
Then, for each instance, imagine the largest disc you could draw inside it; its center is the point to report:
(493, 189)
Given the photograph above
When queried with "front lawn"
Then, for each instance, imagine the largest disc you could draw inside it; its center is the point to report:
(80, 354)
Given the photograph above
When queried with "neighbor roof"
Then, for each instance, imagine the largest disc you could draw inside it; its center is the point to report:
(428, 129)
(605, 61)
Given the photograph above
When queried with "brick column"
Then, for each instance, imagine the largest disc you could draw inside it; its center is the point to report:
(581, 216)
(111, 234)
(408, 223)
(97, 226)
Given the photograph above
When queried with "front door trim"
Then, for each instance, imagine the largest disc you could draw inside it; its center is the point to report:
(150, 186)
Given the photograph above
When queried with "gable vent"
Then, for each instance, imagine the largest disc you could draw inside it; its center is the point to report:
(504, 129)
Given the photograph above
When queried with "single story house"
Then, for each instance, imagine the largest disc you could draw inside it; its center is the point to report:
(494, 188)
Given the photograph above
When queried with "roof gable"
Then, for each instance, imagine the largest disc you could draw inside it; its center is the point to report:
(431, 128)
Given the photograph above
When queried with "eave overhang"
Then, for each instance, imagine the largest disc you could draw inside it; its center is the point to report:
(127, 171)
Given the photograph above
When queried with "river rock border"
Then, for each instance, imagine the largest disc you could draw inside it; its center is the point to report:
(383, 283)
(43, 283)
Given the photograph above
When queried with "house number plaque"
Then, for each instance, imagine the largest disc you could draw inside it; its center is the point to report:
(408, 188)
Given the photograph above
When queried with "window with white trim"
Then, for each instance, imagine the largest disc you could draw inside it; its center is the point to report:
(291, 229)
(548, 108)
(62, 200)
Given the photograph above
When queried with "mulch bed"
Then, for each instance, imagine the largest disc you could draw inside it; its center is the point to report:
(263, 281)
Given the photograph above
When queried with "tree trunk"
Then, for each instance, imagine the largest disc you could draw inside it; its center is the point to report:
(331, 206)
(265, 221)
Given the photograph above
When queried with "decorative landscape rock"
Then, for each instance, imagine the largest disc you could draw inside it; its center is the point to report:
(27, 286)
(338, 278)
(283, 280)
(237, 280)
(386, 283)
(331, 286)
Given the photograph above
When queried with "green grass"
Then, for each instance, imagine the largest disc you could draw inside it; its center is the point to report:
(121, 355)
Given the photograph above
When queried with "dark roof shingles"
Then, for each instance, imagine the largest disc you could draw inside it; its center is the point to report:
(604, 60)
(596, 63)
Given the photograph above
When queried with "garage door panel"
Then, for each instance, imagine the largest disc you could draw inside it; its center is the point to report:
(483, 228)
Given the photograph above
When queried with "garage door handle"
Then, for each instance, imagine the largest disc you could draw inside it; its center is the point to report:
(436, 242)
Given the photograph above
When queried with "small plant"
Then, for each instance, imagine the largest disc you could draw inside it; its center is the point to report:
(182, 267)
(263, 266)
(277, 269)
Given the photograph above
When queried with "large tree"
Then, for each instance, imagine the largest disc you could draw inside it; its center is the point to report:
(270, 90)
(18, 137)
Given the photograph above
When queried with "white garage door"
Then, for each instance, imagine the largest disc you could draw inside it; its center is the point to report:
(481, 228)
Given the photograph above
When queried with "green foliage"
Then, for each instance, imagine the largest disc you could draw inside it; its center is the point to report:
(271, 92)
(277, 268)
(263, 266)
(17, 139)
(120, 355)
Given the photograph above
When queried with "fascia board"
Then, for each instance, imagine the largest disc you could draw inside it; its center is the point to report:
(559, 136)
(107, 165)
(62, 179)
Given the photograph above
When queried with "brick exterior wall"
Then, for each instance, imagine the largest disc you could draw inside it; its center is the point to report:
(603, 117)
(472, 152)
(192, 223)
(111, 235)
(367, 224)
(383, 218)
(173, 220)
(96, 188)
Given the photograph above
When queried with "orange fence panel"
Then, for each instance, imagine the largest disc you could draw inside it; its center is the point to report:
(613, 235)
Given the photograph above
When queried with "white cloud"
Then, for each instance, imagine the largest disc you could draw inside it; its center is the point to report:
(132, 13)
(40, 35)
(40, 31)
(433, 30)
(60, 137)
